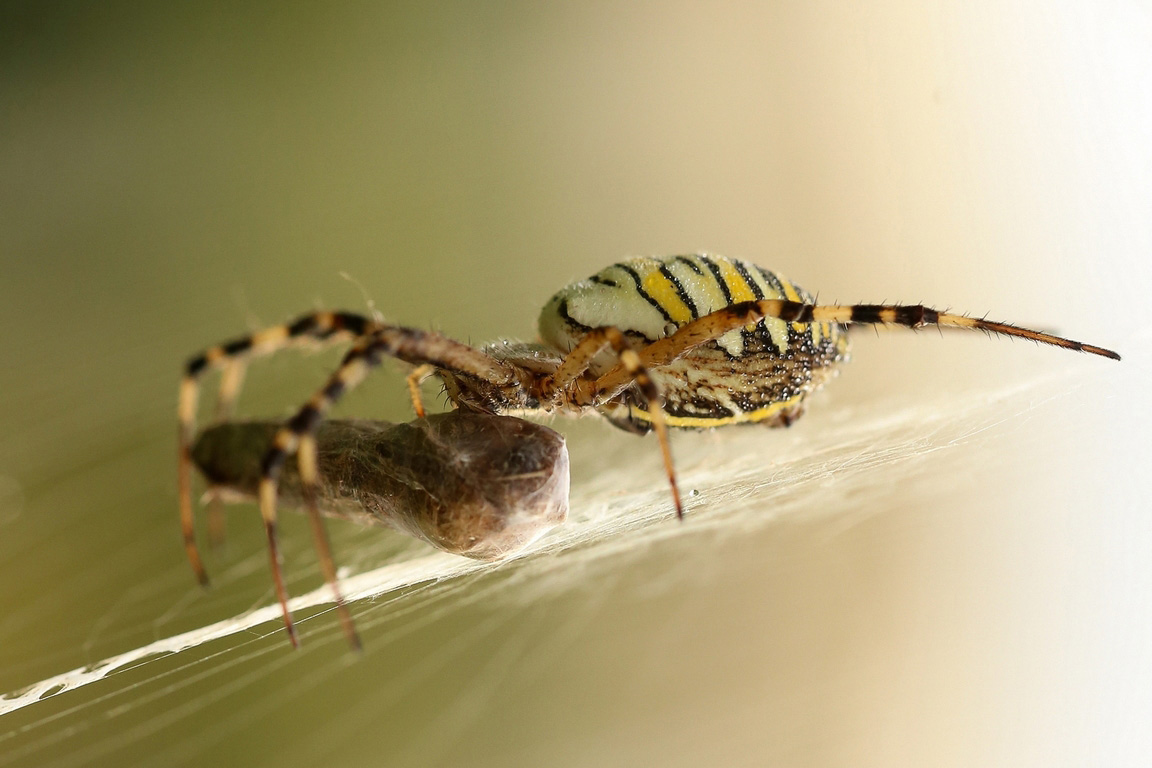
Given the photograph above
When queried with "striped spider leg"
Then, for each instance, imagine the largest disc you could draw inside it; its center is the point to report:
(736, 316)
(233, 357)
(713, 326)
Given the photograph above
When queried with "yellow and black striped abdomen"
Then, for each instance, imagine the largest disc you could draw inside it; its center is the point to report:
(756, 373)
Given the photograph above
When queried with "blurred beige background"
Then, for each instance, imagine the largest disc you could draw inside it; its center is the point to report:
(170, 177)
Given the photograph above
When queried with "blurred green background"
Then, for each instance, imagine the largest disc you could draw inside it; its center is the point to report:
(174, 174)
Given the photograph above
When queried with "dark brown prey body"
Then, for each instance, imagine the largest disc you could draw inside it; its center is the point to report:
(471, 484)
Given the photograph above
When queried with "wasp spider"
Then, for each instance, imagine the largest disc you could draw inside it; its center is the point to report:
(650, 343)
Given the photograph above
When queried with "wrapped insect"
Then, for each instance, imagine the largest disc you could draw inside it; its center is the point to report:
(692, 341)
(471, 484)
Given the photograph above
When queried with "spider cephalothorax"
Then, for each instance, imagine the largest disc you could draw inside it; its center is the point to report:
(691, 341)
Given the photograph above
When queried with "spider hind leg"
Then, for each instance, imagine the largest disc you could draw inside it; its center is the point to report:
(321, 326)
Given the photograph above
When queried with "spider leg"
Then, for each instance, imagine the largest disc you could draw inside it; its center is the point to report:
(714, 325)
(576, 362)
(915, 316)
(415, 379)
(298, 436)
(314, 326)
(309, 479)
(231, 381)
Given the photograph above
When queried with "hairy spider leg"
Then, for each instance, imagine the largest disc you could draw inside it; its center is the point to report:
(415, 379)
(309, 479)
(298, 436)
(714, 325)
(576, 362)
(316, 326)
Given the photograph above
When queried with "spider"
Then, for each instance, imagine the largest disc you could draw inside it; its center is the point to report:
(693, 341)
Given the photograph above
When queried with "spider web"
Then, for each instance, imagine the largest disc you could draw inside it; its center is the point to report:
(731, 490)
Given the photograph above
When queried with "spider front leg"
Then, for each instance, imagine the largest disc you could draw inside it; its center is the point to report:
(714, 325)
(321, 326)
(298, 436)
(577, 362)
